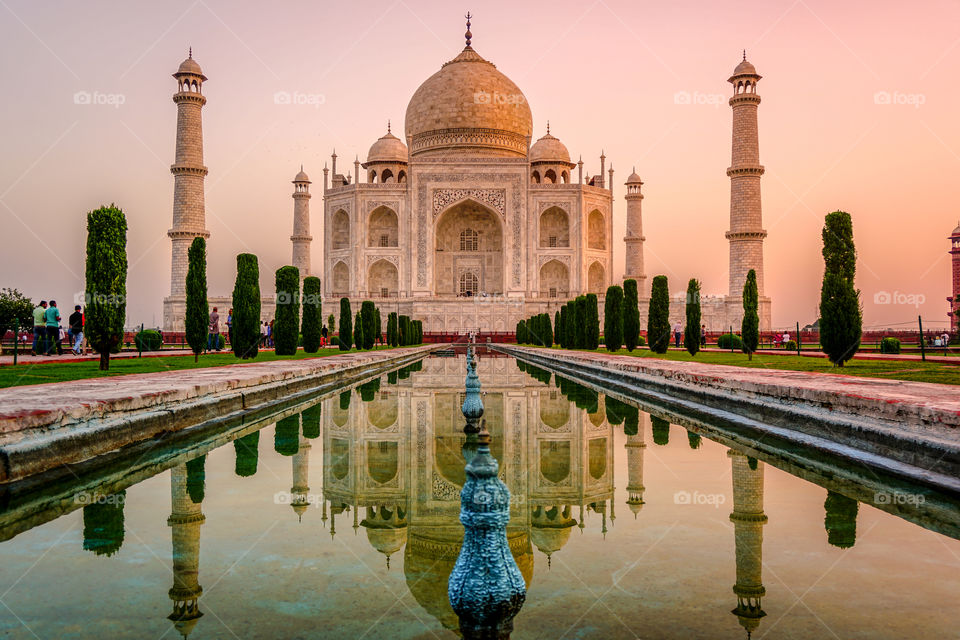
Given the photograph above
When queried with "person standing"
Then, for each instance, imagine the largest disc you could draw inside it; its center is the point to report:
(703, 336)
(677, 334)
(323, 336)
(52, 317)
(230, 326)
(213, 336)
(76, 329)
(39, 327)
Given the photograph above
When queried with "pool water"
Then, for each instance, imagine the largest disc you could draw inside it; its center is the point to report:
(340, 520)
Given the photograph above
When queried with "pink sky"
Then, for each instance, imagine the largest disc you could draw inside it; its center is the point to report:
(604, 73)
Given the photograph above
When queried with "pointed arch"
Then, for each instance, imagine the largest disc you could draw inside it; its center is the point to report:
(383, 228)
(554, 228)
(341, 279)
(596, 279)
(596, 230)
(383, 280)
(340, 238)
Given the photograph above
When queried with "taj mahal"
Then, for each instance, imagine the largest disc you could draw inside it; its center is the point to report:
(467, 222)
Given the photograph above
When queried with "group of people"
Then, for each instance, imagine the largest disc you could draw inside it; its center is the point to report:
(49, 334)
(780, 339)
(678, 335)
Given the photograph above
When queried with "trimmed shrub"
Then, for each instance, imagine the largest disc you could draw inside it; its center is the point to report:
(149, 340)
(197, 316)
(358, 329)
(547, 329)
(730, 341)
(346, 325)
(631, 315)
(310, 326)
(889, 345)
(841, 319)
(691, 333)
(556, 328)
(106, 281)
(392, 329)
(286, 325)
(377, 328)
(750, 327)
(658, 319)
(367, 312)
(791, 345)
(592, 322)
(613, 318)
(580, 333)
(246, 307)
(560, 330)
(331, 324)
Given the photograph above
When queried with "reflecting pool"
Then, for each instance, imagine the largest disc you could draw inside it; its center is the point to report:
(339, 519)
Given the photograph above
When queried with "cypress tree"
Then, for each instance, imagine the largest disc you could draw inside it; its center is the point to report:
(580, 333)
(331, 325)
(750, 326)
(246, 307)
(286, 324)
(691, 334)
(197, 317)
(547, 330)
(419, 331)
(613, 318)
(392, 329)
(841, 320)
(631, 314)
(404, 324)
(658, 320)
(106, 281)
(560, 329)
(247, 452)
(592, 323)
(358, 329)
(367, 311)
(556, 327)
(522, 332)
(346, 325)
(311, 314)
(377, 327)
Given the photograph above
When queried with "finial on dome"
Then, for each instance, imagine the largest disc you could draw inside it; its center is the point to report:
(468, 35)
(548, 127)
(388, 126)
(190, 53)
(744, 55)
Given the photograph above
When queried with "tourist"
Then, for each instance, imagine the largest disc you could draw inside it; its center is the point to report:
(677, 334)
(213, 337)
(786, 338)
(703, 335)
(39, 326)
(270, 334)
(230, 326)
(52, 318)
(76, 329)
(323, 337)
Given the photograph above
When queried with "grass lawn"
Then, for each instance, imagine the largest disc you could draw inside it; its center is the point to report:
(890, 369)
(19, 375)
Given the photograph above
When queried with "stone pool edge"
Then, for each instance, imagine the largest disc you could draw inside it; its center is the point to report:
(36, 436)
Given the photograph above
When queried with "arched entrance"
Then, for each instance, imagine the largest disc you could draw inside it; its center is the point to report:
(469, 251)
(382, 280)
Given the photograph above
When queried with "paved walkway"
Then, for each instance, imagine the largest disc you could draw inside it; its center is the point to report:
(69, 357)
(932, 356)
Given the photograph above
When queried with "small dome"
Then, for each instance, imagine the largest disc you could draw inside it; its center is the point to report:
(745, 68)
(190, 66)
(549, 149)
(301, 176)
(633, 178)
(389, 148)
(956, 232)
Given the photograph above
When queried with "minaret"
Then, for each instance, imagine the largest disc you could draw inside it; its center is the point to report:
(300, 501)
(746, 222)
(634, 238)
(185, 520)
(635, 448)
(189, 216)
(748, 520)
(954, 300)
(301, 224)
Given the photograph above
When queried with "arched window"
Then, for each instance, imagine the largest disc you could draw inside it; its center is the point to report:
(535, 177)
(469, 240)
(550, 176)
(469, 283)
(341, 230)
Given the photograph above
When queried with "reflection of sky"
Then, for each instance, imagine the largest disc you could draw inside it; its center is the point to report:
(666, 573)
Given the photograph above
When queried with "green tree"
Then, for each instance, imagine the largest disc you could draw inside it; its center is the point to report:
(246, 307)
(331, 324)
(658, 319)
(15, 306)
(841, 318)
(310, 327)
(750, 326)
(613, 318)
(592, 323)
(346, 325)
(377, 328)
(521, 326)
(106, 281)
(286, 325)
(547, 330)
(358, 330)
(392, 329)
(556, 327)
(367, 312)
(580, 331)
(405, 331)
(631, 314)
(691, 333)
(560, 330)
(418, 331)
(197, 317)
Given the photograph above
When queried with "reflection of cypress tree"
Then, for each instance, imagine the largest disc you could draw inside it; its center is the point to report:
(840, 520)
(694, 440)
(752, 462)
(392, 377)
(344, 400)
(615, 410)
(247, 450)
(368, 390)
(415, 366)
(661, 430)
(286, 436)
(403, 373)
(103, 525)
(631, 421)
(196, 478)
(311, 422)
(521, 365)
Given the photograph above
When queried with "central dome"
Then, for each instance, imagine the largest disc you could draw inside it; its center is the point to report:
(469, 106)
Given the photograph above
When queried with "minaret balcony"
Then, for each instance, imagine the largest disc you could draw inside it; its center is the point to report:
(744, 98)
(187, 169)
(746, 235)
(754, 170)
(187, 97)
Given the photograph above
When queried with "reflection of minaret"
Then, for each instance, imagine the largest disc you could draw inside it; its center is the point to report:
(301, 478)
(635, 448)
(748, 520)
(185, 521)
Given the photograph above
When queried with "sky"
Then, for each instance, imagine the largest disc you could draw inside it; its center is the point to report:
(858, 113)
